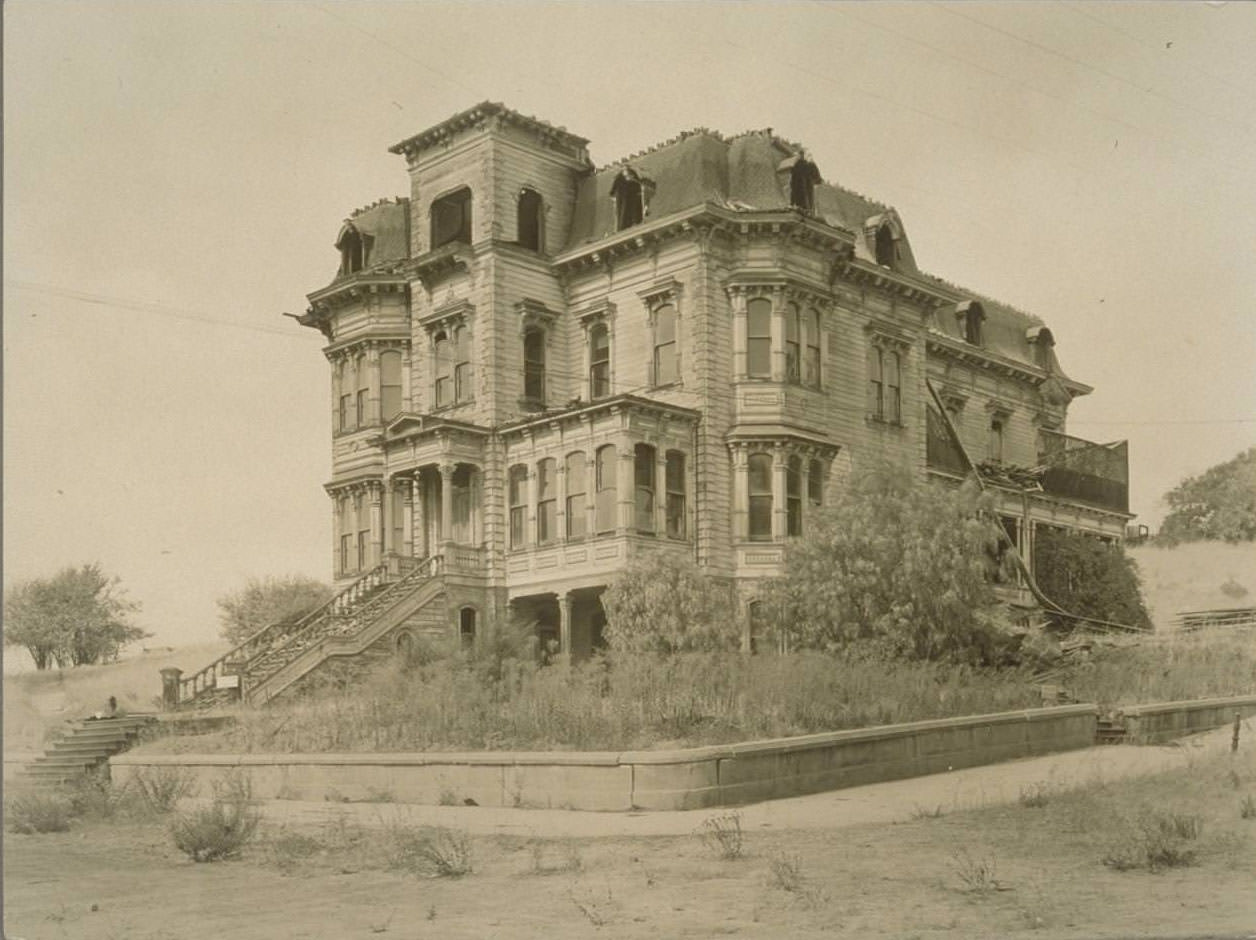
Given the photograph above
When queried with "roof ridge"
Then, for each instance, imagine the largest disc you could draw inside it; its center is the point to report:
(382, 201)
(683, 135)
(983, 298)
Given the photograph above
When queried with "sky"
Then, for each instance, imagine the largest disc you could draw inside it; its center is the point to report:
(175, 175)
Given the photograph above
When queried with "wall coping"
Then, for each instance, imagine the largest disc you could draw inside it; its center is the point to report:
(1194, 704)
(610, 758)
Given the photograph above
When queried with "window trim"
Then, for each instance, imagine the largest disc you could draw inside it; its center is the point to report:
(763, 498)
(675, 506)
(546, 505)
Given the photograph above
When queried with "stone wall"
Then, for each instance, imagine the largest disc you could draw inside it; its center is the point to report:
(1165, 721)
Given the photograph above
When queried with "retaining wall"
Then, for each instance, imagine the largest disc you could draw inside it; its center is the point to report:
(657, 780)
(1164, 721)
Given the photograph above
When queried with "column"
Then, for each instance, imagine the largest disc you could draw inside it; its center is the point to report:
(375, 501)
(406, 488)
(560, 487)
(660, 490)
(530, 510)
(446, 502)
(741, 495)
(564, 625)
(418, 518)
(738, 301)
(778, 337)
(625, 485)
(780, 509)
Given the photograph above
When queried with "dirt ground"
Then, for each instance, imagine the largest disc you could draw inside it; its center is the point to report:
(1002, 871)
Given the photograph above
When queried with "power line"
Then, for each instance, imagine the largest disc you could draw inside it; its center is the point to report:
(146, 306)
(1169, 421)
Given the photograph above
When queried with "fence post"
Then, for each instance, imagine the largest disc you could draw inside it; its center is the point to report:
(1234, 741)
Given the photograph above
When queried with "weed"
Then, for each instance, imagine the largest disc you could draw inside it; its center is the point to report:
(1247, 808)
(927, 812)
(37, 812)
(570, 860)
(431, 912)
(1035, 796)
(978, 875)
(1155, 841)
(438, 853)
(161, 788)
(222, 829)
(722, 835)
(786, 873)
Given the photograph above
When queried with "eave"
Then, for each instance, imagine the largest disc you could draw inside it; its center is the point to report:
(984, 359)
(346, 290)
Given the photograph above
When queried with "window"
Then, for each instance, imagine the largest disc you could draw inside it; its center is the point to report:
(534, 366)
(793, 496)
(759, 338)
(451, 218)
(815, 484)
(462, 365)
(462, 479)
(530, 220)
(885, 250)
(665, 371)
(604, 484)
(1042, 342)
(876, 383)
(643, 487)
(971, 315)
(354, 250)
(893, 391)
(398, 514)
(346, 412)
(996, 438)
(811, 366)
(518, 504)
(389, 384)
(629, 199)
(442, 354)
(364, 541)
(675, 482)
(884, 385)
(466, 627)
(793, 329)
(547, 501)
(802, 180)
(760, 479)
(577, 493)
(364, 393)
(346, 552)
(599, 361)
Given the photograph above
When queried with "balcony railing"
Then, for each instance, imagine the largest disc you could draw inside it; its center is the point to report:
(1096, 474)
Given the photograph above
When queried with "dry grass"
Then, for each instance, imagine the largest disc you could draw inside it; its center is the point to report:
(1195, 576)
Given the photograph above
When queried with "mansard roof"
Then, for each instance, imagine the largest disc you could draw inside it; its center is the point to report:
(411, 147)
(387, 223)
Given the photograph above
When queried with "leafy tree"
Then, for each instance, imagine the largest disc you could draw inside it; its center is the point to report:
(263, 601)
(1088, 577)
(663, 603)
(1219, 505)
(898, 563)
(78, 617)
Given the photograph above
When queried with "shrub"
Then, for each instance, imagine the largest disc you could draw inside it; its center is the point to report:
(785, 872)
(222, 829)
(1155, 841)
(1085, 576)
(664, 604)
(722, 835)
(161, 788)
(976, 874)
(440, 853)
(37, 812)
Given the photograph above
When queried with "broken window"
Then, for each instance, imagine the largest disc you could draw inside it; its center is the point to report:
(759, 472)
(577, 493)
(675, 473)
(886, 251)
(518, 485)
(547, 501)
(530, 220)
(534, 366)
(643, 483)
(759, 338)
(665, 371)
(629, 196)
(599, 361)
(606, 490)
(451, 218)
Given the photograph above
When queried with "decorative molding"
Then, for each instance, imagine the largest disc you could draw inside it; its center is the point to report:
(458, 313)
(666, 291)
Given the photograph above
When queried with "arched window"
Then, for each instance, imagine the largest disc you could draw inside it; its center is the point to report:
(577, 496)
(451, 218)
(518, 505)
(760, 485)
(462, 364)
(803, 177)
(643, 487)
(389, 384)
(759, 338)
(811, 368)
(604, 483)
(530, 220)
(629, 199)
(665, 371)
(534, 366)
(351, 250)
(466, 627)
(442, 355)
(599, 361)
(793, 496)
(885, 249)
(675, 473)
(793, 342)
(546, 501)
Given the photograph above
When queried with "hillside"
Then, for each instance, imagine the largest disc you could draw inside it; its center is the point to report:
(1196, 576)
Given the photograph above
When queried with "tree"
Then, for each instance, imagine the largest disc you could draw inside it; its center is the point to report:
(1085, 576)
(78, 617)
(1219, 505)
(663, 603)
(263, 601)
(904, 564)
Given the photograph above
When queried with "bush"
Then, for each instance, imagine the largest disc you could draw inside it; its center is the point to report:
(664, 603)
(439, 853)
(161, 788)
(1156, 841)
(222, 829)
(38, 812)
(1085, 576)
(722, 835)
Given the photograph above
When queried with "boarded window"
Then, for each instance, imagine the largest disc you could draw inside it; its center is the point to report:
(643, 487)
(547, 501)
(605, 484)
(577, 496)
(675, 473)
(759, 468)
(759, 338)
(451, 219)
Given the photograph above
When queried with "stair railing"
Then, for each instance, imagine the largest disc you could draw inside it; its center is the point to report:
(266, 637)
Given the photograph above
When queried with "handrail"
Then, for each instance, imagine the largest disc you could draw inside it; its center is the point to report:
(206, 678)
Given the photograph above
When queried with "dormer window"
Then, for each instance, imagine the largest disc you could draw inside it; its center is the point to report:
(886, 251)
(354, 249)
(451, 218)
(530, 218)
(803, 176)
(629, 196)
(1042, 343)
(971, 316)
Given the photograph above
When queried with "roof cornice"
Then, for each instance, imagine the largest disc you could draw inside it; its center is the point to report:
(982, 358)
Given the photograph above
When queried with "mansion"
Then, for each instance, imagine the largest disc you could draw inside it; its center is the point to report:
(542, 369)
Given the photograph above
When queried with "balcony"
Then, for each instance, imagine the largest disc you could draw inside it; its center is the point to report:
(1085, 472)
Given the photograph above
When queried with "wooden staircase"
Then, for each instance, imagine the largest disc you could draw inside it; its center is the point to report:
(85, 745)
(275, 657)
